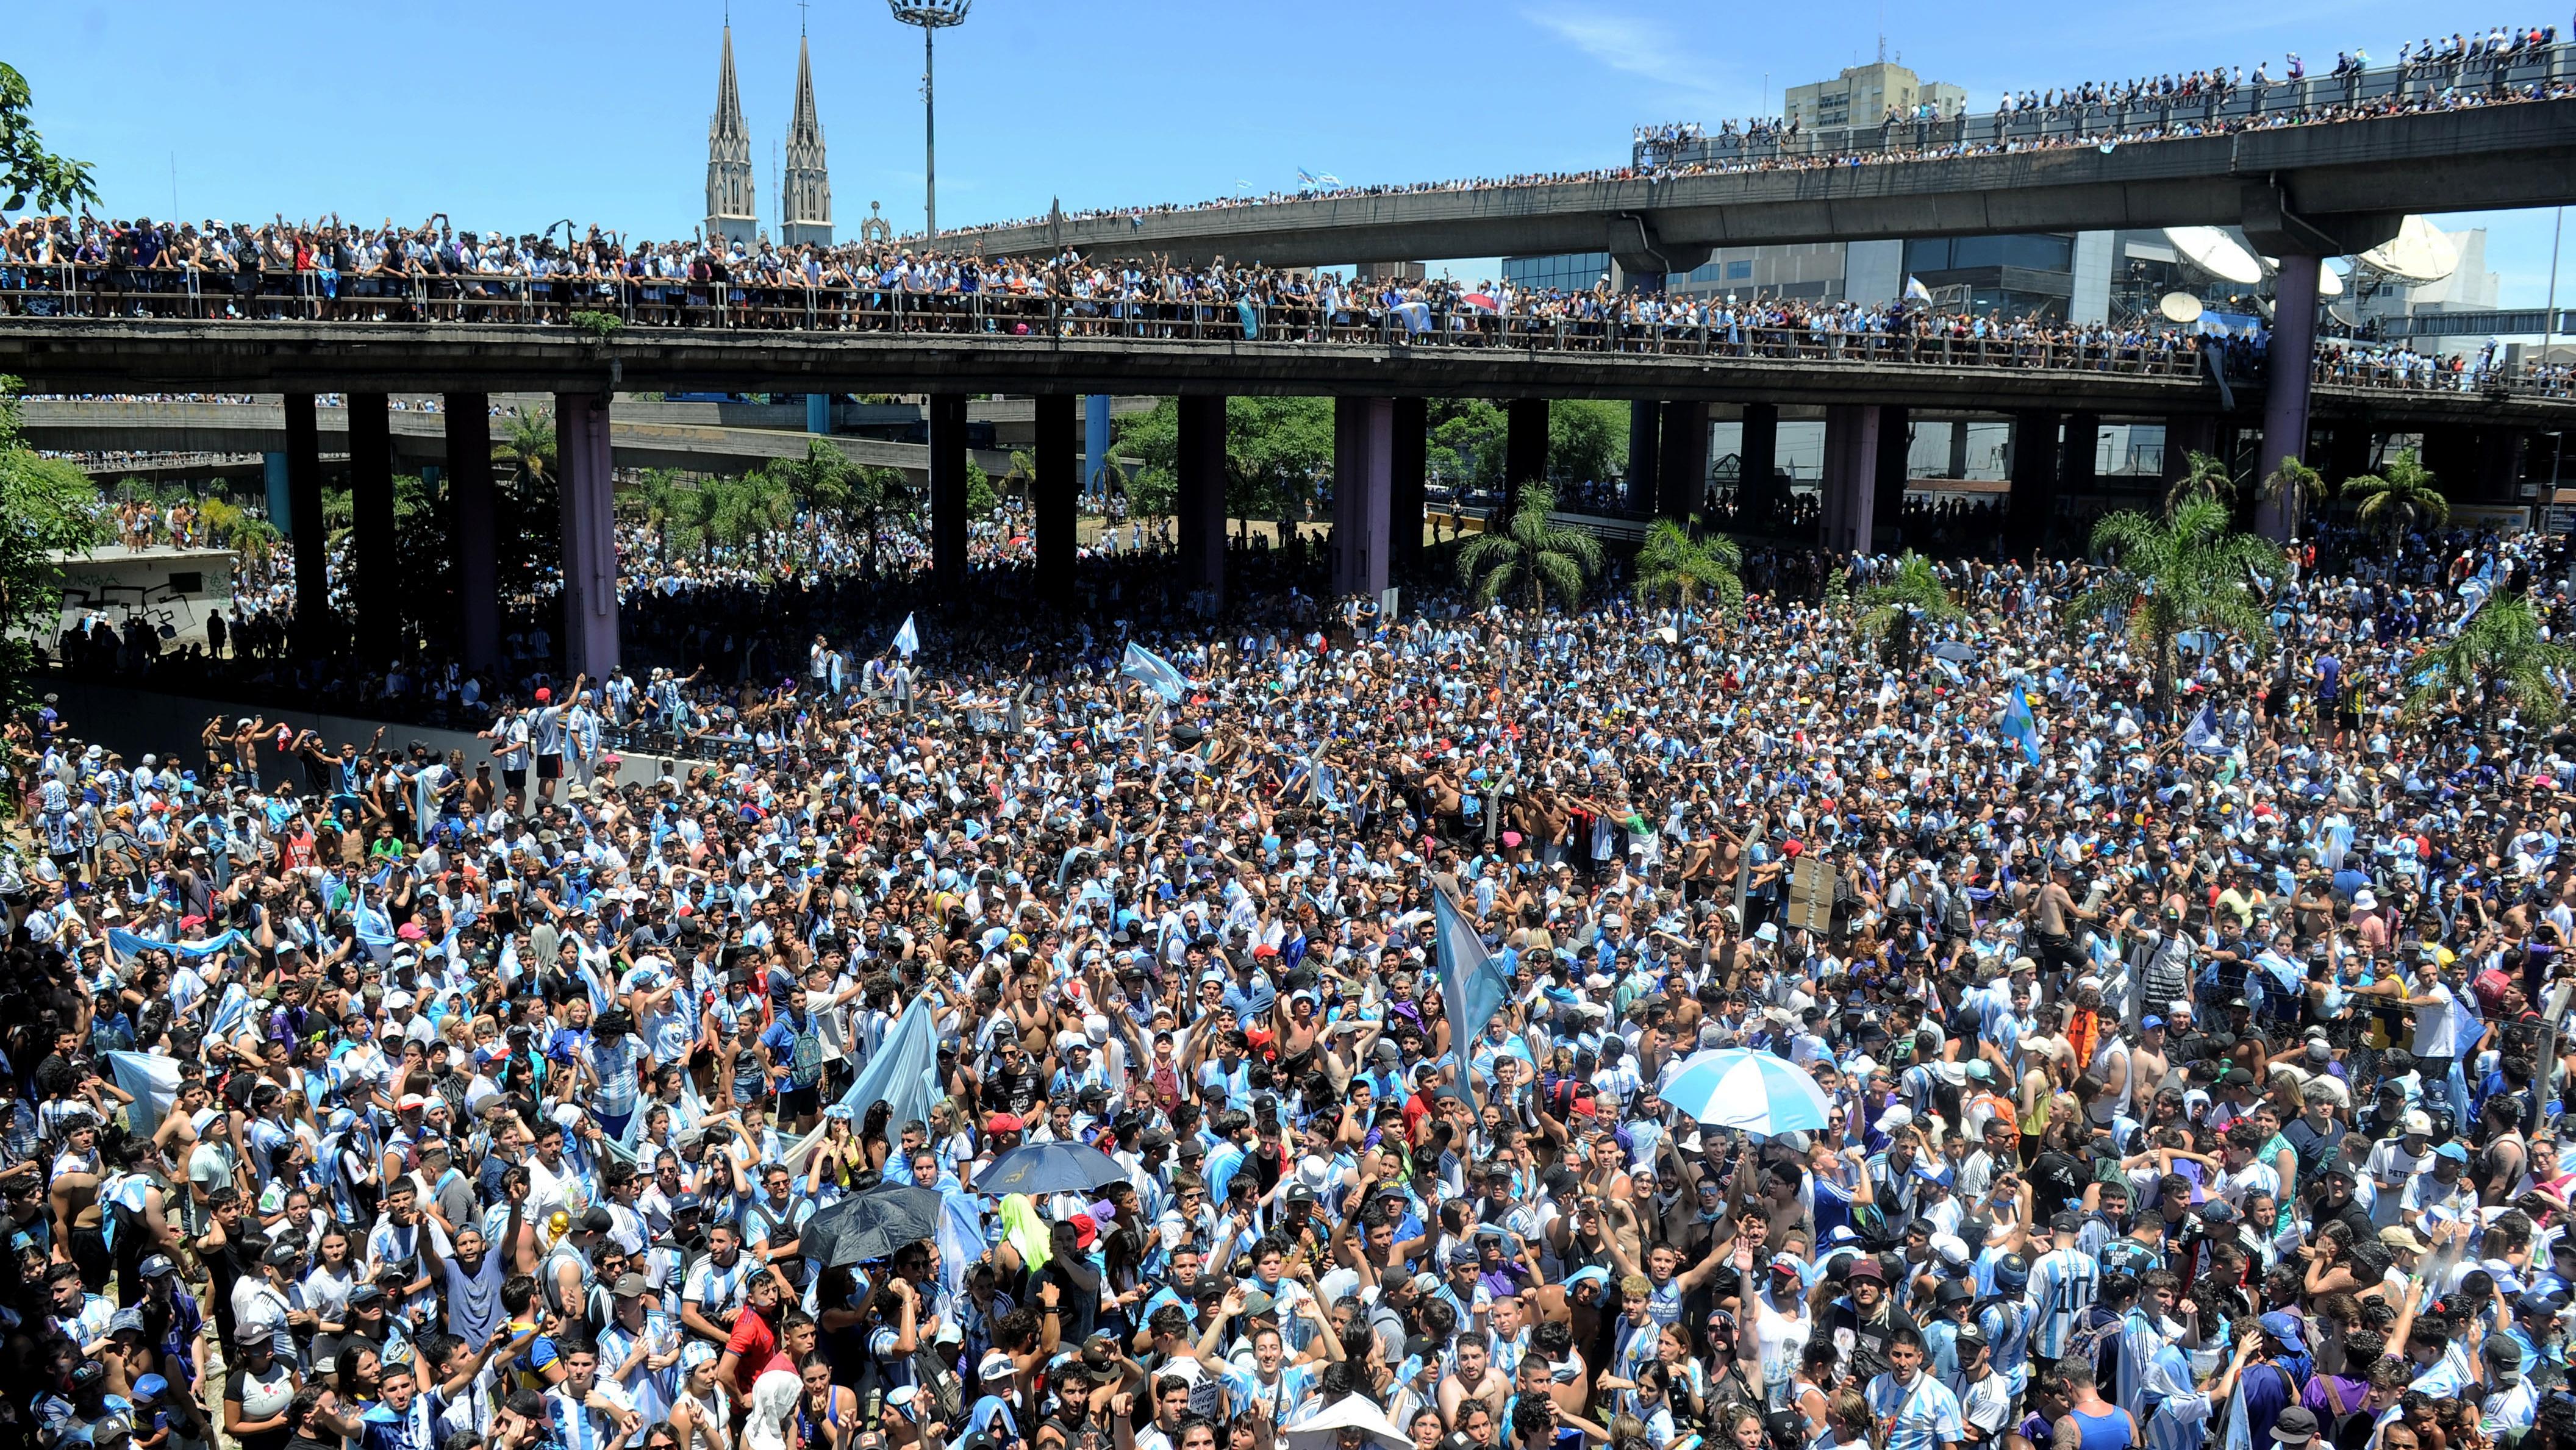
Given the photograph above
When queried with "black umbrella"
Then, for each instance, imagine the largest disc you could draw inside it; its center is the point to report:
(870, 1225)
(1040, 1168)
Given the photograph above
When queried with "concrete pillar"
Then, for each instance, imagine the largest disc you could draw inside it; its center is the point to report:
(948, 495)
(375, 585)
(818, 413)
(1411, 452)
(1095, 444)
(315, 631)
(2347, 452)
(1958, 464)
(469, 491)
(586, 478)
(2034, 481)
(1851, 476)
(1202, 498)
(1524, 447)
(1057, 491)
(1363, 480)
(1645, 431)
(2077, 470)
(2450, 452)
(1887, 474)
(1757, 458)
(1681, 458)
(2500, 453)
(2285, 389)
(281, 501)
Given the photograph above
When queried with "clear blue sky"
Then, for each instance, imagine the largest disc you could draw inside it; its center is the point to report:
(525, 114)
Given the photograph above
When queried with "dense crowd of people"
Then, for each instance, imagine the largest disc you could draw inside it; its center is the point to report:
(2178, 1066)
(2466, 69)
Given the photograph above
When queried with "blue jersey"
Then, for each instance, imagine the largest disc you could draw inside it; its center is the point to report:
(2062, 1286)
(2006, 1325)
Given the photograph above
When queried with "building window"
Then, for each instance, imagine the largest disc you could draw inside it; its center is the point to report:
(1739, 271)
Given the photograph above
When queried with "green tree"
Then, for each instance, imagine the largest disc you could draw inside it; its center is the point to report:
(1532, 559)
(748, 510)
(2498, 657)
(2203, 476)
(1673, 565)
(820, 481)
(1275, 448)
(2187, 570)
(1466, 438)
(1587, 440)
(526, 447)
(1894, 608)
(47, 507)
(27, 169)
(981, 500)
(2399, 499)
(2296, 488)
(882, 499)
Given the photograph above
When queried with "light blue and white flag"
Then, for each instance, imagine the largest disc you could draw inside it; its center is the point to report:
(1472, 988)
(2018, 723)
(2203, 732)
(903, 1073)
(125, 945)
(154, 1082)
(1915, 291)
(1153, 672)
(907, 640)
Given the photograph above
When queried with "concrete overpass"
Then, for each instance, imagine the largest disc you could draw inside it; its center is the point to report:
(2328, 188)
(1380, 381)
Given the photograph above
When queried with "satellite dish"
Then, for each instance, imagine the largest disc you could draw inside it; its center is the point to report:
(2216, 253)
(2418, 253)
(2329, 282)
(2179, 307)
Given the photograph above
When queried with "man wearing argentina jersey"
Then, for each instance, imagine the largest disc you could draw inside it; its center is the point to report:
(1913, 1410)
(2062, 1286)
(589, 1413)
(2004, 1320)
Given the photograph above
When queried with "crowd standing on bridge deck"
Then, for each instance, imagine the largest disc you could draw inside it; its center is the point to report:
(2183, 1083)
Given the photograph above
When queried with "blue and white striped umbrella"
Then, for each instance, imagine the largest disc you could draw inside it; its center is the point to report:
(1758, 1092)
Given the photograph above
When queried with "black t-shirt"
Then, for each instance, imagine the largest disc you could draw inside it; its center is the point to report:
(2315, 1149)
(2057, 1181)
(1870, 1335)
(226, 1267)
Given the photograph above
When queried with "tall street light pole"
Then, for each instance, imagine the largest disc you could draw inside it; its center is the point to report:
(933, 16)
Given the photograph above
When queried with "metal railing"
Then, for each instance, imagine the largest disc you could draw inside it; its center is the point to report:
(2352, 94)
(68, 291)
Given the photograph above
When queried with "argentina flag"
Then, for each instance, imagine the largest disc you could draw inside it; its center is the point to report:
(1153, 672)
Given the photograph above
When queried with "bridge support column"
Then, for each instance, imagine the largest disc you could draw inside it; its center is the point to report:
(1095, 446)
(1056, 489)
(2077, 468)
(1887, 475)
(587, 479)
(1363, 480)
(1681, 459)
(2034, 481)
(948, 496)
(1851, 476)
(1645, 433)
(2500, 452)
(2348, 447)
(1524, 447)
(1757, 458)
(2285, 391)
(281, 502)
(371, 521)
(1411, 454)
(2450, 451)
(818, 413)
(1958, 464)
(469, 491)
(1202, 499)
(314, 629)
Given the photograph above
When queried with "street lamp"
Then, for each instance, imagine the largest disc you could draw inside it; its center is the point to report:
(933, 16)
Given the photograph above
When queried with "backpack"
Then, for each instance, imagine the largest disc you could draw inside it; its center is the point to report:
(937, 1378)
(2096, 1338)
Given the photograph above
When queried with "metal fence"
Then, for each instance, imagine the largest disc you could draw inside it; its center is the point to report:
(2415, 85)
(102, 292)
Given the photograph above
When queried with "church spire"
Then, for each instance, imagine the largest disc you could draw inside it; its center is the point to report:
(733, 214)
(808, 194)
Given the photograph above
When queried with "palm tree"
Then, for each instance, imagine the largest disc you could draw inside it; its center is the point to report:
(2203, 476)
(2498, 656)
(2187, 570)
(820, 481)
(2294, 486)
(881, 498)
(1673, 565)
(1532, 558)
(747, 510)
(1893, 608)
(528, 448)
(2398, 499)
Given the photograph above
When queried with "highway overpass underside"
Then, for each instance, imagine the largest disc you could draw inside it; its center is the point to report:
(1870, 413)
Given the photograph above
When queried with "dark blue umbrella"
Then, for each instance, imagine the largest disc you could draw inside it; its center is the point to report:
(870, 1225)
(1043, 1168)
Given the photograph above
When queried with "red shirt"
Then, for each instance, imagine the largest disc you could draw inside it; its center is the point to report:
(754, 1345)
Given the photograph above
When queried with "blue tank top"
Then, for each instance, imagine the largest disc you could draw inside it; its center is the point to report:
(2109, 1431)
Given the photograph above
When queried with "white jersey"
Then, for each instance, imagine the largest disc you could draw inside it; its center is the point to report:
(2062, 1286)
